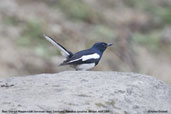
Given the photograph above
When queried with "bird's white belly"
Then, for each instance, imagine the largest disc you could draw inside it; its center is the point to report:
(86, 66)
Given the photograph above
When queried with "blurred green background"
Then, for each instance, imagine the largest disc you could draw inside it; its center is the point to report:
(139, 29)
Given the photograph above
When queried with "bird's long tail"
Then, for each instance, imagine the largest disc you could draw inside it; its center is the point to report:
(64, 51)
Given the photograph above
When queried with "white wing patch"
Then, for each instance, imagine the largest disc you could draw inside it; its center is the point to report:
(92, 56)
(86, 57)
(63, 51)
(74, 60)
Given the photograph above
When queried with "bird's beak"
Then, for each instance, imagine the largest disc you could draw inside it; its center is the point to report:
(109, 44)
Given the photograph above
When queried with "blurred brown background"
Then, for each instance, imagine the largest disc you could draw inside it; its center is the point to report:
(139, 29)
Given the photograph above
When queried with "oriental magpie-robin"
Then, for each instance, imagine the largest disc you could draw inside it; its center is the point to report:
(82, 60)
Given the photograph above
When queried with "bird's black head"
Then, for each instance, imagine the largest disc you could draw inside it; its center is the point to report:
(101, 46)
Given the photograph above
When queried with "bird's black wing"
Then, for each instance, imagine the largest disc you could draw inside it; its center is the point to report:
(85, 56)
(64, 51)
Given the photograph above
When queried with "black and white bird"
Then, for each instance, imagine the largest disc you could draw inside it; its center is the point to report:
(82, 60)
